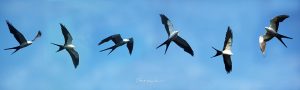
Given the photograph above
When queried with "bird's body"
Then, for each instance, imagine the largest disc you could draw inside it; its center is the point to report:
(174, 36)
(272, 31)
(226, 53)
(27, 43)
(68, 46)
(20, 38)
(124, 41)
(119, 41)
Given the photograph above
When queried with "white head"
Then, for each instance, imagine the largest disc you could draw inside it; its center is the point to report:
(269, 28)
(261, 39)
(126, 40)
(262, 44)
(71, 46)
(227, 52)
(176, 32)
(266, 28)
(29, 42)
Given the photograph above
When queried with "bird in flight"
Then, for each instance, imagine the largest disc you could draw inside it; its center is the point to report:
(119, 41)
(20, 38)
(68, 46)
(173, 36)
(272, 31)
(226, 51)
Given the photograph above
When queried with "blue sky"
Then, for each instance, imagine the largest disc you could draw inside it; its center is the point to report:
(202, 23)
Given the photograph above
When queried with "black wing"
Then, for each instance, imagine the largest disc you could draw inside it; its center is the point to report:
(167, 23)
(274, 23)
(67, 35)
(227, 62)
(74, 55)
(228, 40)
(130, 45)
(183, 44)
(39, 34)
(115, 38)
(18, 36)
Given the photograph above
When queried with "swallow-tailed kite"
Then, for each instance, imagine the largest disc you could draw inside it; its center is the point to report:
(68, 46)
(226, 51)
(173, 36)
(272, 31)
(119, 41)
(20, 38)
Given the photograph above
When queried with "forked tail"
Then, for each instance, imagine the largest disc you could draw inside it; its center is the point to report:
(17, 48)
(167, 42)
(279, 37)
(61, 47)
(218, 52)
(112, 49)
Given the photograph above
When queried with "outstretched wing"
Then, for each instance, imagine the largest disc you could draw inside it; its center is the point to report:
(115, 38)
(39, 34)
(130, 45)
(167, 23)
(262, 43)
(228, 40)
(18, 36)
(183, 44)
(67, 35)
(274, 23)
(227, 62)
(74, 55)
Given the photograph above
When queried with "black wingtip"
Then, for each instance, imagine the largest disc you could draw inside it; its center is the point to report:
(75, 66)
(286, 16)
(7, 21)
(61, 25)
(130, 53)
(228, 72)
(99, 43)
(229, 29)
(163, 17)
(39, 32)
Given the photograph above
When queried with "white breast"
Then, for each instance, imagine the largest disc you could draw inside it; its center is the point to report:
(261, 39)
(174, 33)
(126, 40)
(29, 42)
(70, 46)
(228, 52)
